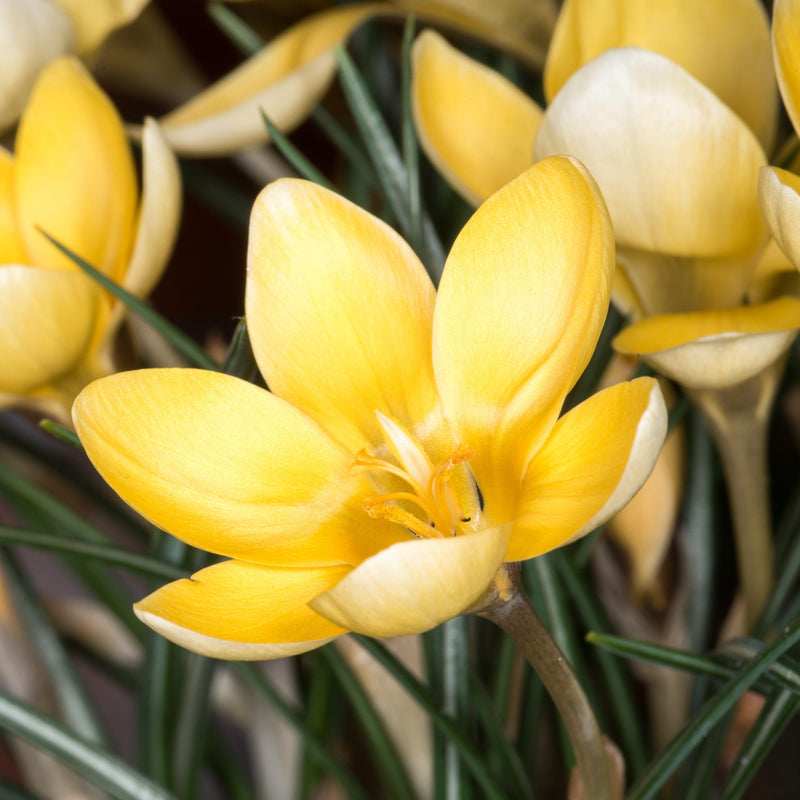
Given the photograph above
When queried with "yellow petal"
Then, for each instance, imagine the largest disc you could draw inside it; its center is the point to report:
(339, 311)
(46, 322)
(786, 43)
(228, 467)
(93, 20)
(521, 303)
(32, 34)
(710, 40)
(242, 611)
(416, 585)
(12, 250)
(779, 193)
(597, 457)
(475, 126)
(677, 168)
(286, 79)
(74, 172)
(714, 349)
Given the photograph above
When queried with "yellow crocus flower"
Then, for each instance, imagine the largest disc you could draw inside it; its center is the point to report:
(411, 441)
(72, 175)
(35, 32)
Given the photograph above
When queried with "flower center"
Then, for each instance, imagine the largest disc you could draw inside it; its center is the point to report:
(441, 511)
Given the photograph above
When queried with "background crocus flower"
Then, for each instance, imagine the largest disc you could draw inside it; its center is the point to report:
(35, 32)
(345, 498)
(72, 175)
(288, 77)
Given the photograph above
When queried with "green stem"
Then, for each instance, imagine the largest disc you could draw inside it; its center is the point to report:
(738, 418)
(508, 607)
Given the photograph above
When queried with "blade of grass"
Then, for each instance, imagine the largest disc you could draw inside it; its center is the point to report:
(345, 144)
(409, 140)
(235, 28)
(177, 338)
(456, 705)
(62, 434)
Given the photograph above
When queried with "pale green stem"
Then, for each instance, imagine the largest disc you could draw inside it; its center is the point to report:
(508, 607)
(738, 420)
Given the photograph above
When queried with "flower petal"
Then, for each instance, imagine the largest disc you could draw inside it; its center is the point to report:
(228, 467)
(779, 194)
(46, 322)
(93, 20)
(74, 172)
(339, 311)
(714, 349)
(521, 303)
(597, 457)
(475, 126)
(286, 79)
(676, 166)
(236, 610)
(12, 250)
(786, 44)
(32, 34)
(413, 586)
(708, 40)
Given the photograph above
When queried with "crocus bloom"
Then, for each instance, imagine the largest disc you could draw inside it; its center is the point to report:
(288, 77)
(35, 32)
(411, 441)
(478, 129)
(72, 175)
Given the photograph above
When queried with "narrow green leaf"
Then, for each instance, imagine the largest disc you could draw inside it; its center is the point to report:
(61, 433)
(177, 338)
(235, 28)
(240, 360)
(318, 715)
(98, 767)
(345, 144)
(710, 713)
(456, 705)
(409, 140)
(338, 772)
(72, 701)
(108, 554)
(471, 758)
(386, 760)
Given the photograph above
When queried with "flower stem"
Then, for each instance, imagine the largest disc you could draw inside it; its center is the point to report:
(738, 420)
(508, 607)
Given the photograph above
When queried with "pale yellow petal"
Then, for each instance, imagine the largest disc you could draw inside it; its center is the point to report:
(779, 193)
(75, 177)
(228, 467)
(241, 611)
(714, 349)
(286, 80)
(710, 40)
(93, 20)
(416, 585)
(476, 127)
(678, 169)
(597, 457)
(32, 34)
(522, 301)
(339, 311)
(46, 323)
(12, 249)
(786, 43)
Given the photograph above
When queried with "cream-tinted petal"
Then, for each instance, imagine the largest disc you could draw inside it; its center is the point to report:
(228, 467)
(339, 311)
(32, 34)
(779, 194)
(413, 586)
(786, 48)
(522, 301)
(237, 610)
(476, 127)
(677, 167)
(93, 20)
(710, 40)
(714, 349)
(74, 172)
(46, 323)
(597, 457)
(286, 80)
(12, 249)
